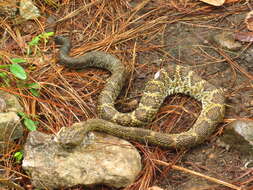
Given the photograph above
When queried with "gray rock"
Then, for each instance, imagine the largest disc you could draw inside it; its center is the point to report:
(227, 40)
(102, 159)
(28, 10)
(239, 135)
(10, 126)
(11, 103)
(10, 129)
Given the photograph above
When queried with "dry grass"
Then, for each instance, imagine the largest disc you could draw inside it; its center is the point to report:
(124, 28)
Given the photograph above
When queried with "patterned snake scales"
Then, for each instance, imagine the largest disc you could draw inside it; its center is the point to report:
(175, 79)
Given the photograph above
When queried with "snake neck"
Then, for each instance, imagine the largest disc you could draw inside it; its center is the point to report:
(96, 59)
(100, 60)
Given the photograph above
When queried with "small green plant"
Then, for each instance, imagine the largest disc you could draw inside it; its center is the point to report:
(37, 39)
(34, 88)
(18, 156)
(29, 124)
(19, 72)
(16, 69)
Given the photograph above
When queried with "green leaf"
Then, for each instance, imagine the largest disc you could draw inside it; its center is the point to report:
(3, 75)
(34, 92)
(30, 124)
(4, 66)
(35, 41)
(34, 85)
(47, 34)
(21, 114)
(18, 156)
(18, 71)
(34, 88)
(18, 60)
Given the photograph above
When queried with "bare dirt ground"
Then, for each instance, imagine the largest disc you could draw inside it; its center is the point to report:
(145, 35)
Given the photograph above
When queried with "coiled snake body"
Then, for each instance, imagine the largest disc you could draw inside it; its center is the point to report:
(175, 79)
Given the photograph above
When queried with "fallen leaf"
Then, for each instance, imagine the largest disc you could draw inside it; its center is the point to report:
(249, 21)
(244, 36)
(214, 2)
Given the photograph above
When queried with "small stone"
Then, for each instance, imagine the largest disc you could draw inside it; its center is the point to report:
(227, 40)
(10, 126)
(239, 135)
(10, 129)
(11, 101)
(8, 8)
(28, 10)
(101, 159)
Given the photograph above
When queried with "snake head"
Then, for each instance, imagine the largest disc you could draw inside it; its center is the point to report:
(69, 137)
(61, 40)
(65, 44)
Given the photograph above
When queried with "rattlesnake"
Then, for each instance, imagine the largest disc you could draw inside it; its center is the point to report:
(175, 79)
